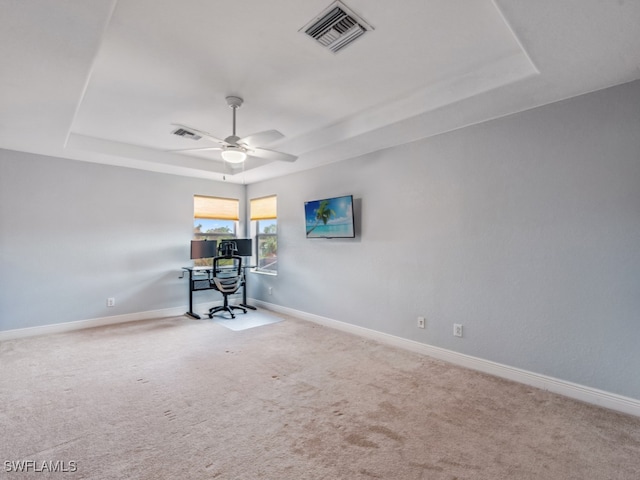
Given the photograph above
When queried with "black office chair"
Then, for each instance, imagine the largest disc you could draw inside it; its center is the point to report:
(226, 277)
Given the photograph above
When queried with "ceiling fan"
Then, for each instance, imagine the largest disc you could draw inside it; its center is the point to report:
(235, 149)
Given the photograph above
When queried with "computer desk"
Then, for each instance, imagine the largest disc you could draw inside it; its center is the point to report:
(199, 280)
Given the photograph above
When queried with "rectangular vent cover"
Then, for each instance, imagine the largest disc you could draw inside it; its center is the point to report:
(336, 27)
(181, 132)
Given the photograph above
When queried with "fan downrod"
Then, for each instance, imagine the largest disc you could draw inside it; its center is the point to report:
(235, 103)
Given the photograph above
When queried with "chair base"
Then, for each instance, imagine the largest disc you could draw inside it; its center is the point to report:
(226, 308)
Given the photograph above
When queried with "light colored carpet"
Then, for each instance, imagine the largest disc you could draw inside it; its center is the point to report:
(179, 398)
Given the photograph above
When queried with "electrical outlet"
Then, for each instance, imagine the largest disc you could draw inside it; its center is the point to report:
(457, 330)
(111, 302)
(420, 322)
(270, 291)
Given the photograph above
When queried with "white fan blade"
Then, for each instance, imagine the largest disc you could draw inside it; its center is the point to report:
(194, 149)
(201, 132)
(272, 155)
(261, 138)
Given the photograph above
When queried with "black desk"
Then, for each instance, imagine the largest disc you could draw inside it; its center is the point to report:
(244, 288)
(199, 280)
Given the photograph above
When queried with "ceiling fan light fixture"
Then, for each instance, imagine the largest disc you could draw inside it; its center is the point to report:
(233, 155)
(235, 150)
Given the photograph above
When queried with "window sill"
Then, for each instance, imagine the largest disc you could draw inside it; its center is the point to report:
(263, 272)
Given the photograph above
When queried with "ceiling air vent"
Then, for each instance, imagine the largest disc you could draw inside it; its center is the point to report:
(181, 132)
(336, 27)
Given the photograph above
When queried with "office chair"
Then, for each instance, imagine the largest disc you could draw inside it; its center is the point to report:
(226, 277)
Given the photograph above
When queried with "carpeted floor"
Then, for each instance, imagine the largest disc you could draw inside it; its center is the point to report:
(178, 398)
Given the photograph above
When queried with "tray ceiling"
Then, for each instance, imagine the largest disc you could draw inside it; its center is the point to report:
(104, 81)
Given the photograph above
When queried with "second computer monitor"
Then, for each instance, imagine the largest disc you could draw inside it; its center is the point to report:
(243, 245)
(203, 249)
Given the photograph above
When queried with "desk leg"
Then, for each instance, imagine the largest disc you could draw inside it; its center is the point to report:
(190, 313)
(244, 295)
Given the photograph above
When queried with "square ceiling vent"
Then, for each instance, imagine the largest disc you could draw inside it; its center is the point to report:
(336, 27)
(183, 132)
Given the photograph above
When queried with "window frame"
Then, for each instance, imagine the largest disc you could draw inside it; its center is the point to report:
(215, 208)
(264, 209)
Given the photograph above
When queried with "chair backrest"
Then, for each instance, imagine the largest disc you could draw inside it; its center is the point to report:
(227, 266)
(226, 274)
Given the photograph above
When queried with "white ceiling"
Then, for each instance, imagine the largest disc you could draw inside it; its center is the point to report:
(102, 81)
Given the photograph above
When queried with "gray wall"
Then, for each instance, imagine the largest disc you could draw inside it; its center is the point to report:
(525, 229)
(73, 234)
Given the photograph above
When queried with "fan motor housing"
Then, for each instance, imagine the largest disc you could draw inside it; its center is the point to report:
(234, 102)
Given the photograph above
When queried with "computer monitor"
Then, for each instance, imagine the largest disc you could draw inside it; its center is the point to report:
(203, 249)
(243, 246)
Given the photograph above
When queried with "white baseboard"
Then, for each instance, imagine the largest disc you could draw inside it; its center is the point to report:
(101, 321)
(555, 385)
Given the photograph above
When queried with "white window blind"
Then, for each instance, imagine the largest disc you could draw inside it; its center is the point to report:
(216, 208)
(264, 208)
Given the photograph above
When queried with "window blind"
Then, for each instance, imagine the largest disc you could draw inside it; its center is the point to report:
(214, 207)
(264, 208)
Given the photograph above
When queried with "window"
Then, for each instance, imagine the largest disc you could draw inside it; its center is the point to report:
(265, 223)
(214, 219)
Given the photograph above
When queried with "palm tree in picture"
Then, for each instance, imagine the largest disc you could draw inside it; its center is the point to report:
(323, 214)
